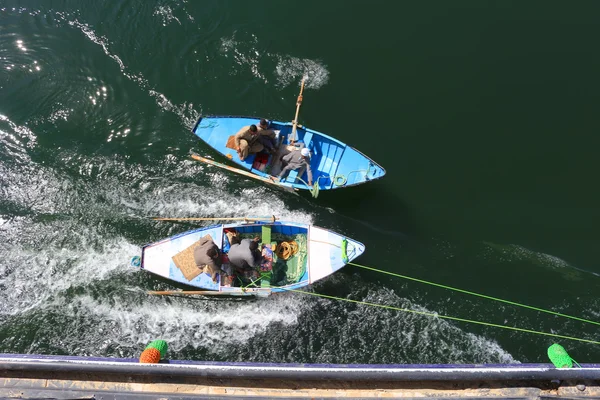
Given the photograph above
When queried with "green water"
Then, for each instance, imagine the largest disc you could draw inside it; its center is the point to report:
(483, 114)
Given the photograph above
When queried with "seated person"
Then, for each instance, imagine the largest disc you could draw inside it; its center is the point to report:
(267, 136)
(229, 277)
(296, 160)
(207, 256)
(246, 141)
(245, 256)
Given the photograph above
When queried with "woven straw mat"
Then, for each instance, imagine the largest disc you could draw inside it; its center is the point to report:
(184, 260)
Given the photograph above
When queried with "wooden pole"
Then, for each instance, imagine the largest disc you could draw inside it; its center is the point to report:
(241, 172)
(272, 219)
(197, 292)
(295, 122)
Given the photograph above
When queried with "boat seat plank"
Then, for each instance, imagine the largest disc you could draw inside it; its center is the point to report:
(292, 176)
(307, 139)
(266, 234)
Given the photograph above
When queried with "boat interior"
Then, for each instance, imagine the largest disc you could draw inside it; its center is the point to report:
(325, 154)
(284, 255)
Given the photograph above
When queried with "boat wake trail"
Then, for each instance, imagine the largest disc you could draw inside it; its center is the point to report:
(512, 253)
(42, 266)
(186, 111)
(67, 234)
(69, 225)
(15, 140)
(208, 328)
(333, 331)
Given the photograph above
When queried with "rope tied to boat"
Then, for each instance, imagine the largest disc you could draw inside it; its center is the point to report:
(556, 353)
(474, 294)
(436, 315)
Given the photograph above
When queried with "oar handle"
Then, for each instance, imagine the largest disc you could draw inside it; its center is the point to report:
(239, 171)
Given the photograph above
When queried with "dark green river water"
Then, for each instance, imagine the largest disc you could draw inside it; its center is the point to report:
(484, 114)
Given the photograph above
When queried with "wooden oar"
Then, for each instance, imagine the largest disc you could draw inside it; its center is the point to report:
(272, 219)
(295, 121)
(197, 157)
(197, 292)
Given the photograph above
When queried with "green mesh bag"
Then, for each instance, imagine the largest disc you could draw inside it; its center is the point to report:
(559, 356)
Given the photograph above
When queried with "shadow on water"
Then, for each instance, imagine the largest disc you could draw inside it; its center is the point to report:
(379, 210)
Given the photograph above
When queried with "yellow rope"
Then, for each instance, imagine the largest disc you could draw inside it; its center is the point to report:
(285, 250)
(461, 291)
(321, 241)
(443, 316)
(466, 291)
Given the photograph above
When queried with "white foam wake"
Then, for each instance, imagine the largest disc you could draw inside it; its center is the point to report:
(183, 323)
(288, 69)
(186, 112)
(66, 237)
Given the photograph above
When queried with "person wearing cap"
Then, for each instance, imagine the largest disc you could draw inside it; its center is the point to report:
(295, 160)
(246, 141)
(266, 136)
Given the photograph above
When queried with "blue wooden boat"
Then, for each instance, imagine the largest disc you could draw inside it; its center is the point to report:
(318, 253)
(334, 164)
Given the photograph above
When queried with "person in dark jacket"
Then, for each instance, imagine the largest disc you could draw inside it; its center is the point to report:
(296, 160)
(244, 254)
(266, 136)
(208, 257)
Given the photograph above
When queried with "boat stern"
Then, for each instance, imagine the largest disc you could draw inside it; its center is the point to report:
(173, 258)
(218, 133)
